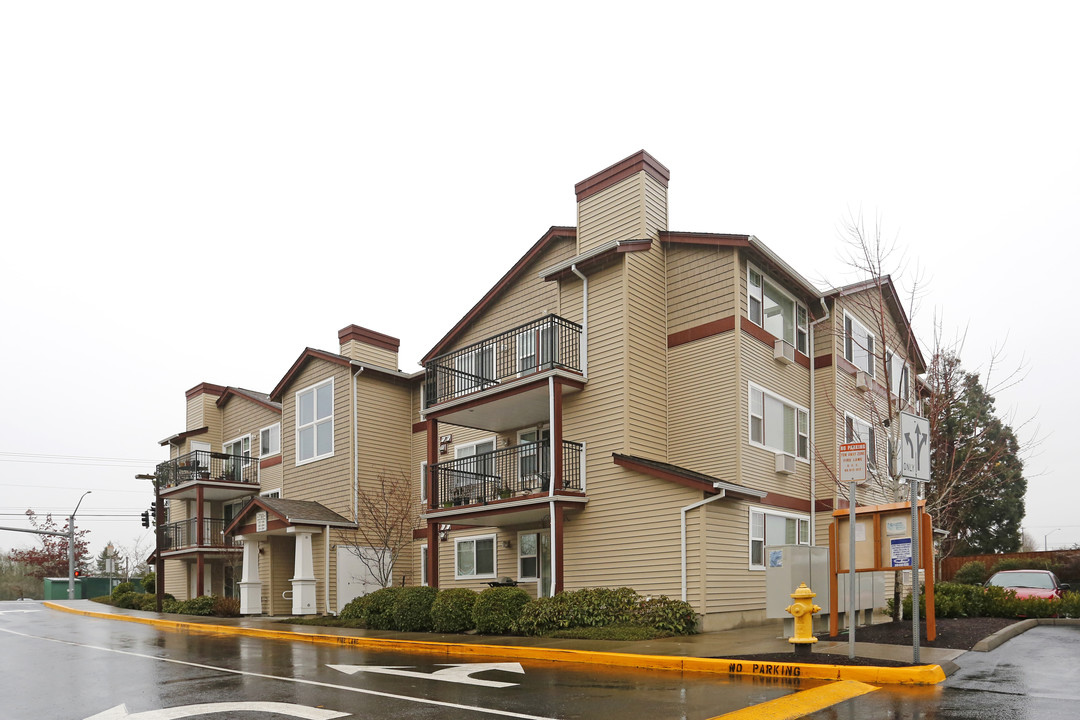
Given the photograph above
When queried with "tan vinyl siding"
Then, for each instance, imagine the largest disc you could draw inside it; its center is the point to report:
(646, 353)
(365, 353)
(329, 480)
(202, 411)
(705, 423)
(527, 298)
(733, 587)
(616, 213)
(701, 285)
(176, 582)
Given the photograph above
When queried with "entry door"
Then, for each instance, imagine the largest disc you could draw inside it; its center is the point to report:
(353, 577)
(474, 472)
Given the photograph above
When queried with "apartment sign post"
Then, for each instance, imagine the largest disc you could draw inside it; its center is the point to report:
(853, 472)
(915, 468)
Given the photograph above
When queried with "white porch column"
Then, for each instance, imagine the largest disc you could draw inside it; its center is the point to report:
(303, 579)
(250, 587)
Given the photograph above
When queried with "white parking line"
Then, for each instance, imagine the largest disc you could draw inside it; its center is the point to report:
(406, 698)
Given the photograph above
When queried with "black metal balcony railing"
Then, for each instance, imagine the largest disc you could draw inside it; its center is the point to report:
(184, 534)
(206, 465)
(545, 344)
(504, 473)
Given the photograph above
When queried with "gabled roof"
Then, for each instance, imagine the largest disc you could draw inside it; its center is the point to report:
(256, 397)
(292, 512)
(184, 435)
(313, 354)
(896, 307)
(684, 476)
(553, 234)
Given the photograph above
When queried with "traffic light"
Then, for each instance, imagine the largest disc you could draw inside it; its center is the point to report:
(153, 510)
(145, 519)
(78, 573)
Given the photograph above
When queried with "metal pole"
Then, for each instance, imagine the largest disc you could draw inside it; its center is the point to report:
(851, 570)
(71, 548)
(914, 569)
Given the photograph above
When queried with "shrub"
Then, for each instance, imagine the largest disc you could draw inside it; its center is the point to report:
(379, 609)
(663, 613)
(497, 610)
(452, 610)
(202, 605)
(149, 583)
(355, 608)
(122, 588)
(127, 600)
(226, 607)
(545, 615)
(598, 607)
(170, 606)
(971, 573)
(412, 608)
(1019, 564)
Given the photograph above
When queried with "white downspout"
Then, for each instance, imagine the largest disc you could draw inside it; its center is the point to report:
(355, 450)
(813, 417)
(326, 569)
(686, 509)
(584, 321)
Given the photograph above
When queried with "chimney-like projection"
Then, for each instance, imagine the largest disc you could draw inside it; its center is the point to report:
(627, 201)
(363, 345)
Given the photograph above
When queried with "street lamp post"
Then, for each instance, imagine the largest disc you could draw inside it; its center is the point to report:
(159, 563)
(71, 548)
(1048, 535)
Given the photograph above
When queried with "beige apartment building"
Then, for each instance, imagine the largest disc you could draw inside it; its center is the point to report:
(628, 405)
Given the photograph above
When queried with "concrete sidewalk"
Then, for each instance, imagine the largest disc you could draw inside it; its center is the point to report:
(725, 644)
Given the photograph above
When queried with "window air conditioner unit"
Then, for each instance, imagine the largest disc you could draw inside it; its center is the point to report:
(862, 381)
(784, 352)
(785, 464)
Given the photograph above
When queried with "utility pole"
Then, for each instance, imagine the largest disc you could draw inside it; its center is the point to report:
(71, 548)
(159, 563)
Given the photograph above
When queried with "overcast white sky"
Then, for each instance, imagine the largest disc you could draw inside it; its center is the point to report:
(197, 191)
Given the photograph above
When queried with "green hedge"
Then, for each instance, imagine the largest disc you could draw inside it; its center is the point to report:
(605, 607)
(497, 610)
(452, 610)
(412, 608)
(952, 600)
(971, 573)
(378, 611)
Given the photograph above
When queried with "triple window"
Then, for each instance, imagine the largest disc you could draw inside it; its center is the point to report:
(858, 345)
(776, 311)
(315, 422)
(769, 527)
(778, 424)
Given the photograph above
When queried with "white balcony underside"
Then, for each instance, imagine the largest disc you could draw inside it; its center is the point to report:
(504, 410)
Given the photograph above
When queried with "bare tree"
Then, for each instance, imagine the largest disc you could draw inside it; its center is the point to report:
(387, 514)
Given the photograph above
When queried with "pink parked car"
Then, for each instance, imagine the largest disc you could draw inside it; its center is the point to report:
(1029, 583)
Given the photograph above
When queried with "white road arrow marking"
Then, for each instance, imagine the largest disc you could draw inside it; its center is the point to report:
(120, 712)
(455, 673)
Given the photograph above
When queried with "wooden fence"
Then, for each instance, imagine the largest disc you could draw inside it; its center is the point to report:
(1064, 558)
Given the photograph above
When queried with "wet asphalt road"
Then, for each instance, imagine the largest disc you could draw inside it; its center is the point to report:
(54, 665)
(1035, 675)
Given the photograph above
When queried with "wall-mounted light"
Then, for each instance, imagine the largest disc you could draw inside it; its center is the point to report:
(507, 544)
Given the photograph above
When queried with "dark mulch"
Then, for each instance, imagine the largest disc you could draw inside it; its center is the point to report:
(953, 633)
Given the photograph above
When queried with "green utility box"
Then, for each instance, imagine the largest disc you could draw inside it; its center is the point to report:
(85, 587)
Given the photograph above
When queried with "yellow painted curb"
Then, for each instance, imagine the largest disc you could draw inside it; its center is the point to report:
(915, 675)
(802, 703)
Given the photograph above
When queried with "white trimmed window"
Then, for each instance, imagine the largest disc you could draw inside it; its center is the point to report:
(232, 468)
(423, 564)
(270, 440)
(778, 424)
(271, 494)
(855, 431)
(858, 345)
(423, 481)
(474, 370)
(776, 311)
(528, 556)
(474, 557)
(315, 422)
(536, 347)
(898, 374)
(771, 527)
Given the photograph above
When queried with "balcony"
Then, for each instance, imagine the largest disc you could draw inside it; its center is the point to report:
(224, 477)
(517, 471)
(549, 343)
(183, 535)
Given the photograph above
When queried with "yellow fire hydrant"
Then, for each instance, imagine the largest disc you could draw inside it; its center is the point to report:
(803, 609)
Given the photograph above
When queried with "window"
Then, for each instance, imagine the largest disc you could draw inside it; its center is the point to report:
(534, 458)
(474, 473)
(270, 440)
(423, 481)
(474, 557)
(778, 425)
(855, 430)
(776, 311)
(898, 374)
(529, 556)
(775, 528)
(271, 494)
(423, 564)
(858, 345)
(232, 468)
(474, 370)
(543, 338)
(315, 422)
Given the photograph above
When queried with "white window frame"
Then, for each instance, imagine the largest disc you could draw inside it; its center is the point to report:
(457, 482)
(424, 563)
(546, 336)
(262, 449)
(494, 557)
(275, 493)
(899, 382)
(466, 363)
(853, 352)
(800, 413)
(243, 453)
(857, 435)
(315, 423)
(423, 481)
(522, 577)
(800, 322)
(534, 452)
(801, 521)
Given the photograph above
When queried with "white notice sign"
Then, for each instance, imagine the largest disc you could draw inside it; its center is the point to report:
(853, 463)
(260, 521)
(900, 552)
